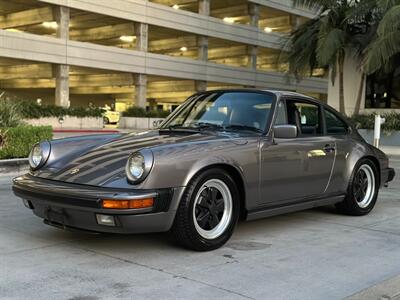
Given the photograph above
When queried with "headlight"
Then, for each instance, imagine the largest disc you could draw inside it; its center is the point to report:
(139, 165)
(39, 155)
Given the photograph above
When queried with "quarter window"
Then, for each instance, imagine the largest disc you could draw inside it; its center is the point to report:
(333, 124)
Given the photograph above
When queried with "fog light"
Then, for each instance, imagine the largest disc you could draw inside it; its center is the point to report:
(105, 220)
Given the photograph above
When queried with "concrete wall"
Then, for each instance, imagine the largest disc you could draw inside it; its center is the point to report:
(138, 123)
(69, 122)
(352, 79)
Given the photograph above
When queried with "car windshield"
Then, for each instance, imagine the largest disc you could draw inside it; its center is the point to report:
(248, 111)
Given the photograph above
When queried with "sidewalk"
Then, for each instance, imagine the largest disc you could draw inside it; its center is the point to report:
(386, 290)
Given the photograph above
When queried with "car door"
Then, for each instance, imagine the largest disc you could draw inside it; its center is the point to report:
(339, 131)
(299, 168)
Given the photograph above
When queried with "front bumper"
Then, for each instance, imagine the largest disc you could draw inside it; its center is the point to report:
(74, 206)
(387, 175)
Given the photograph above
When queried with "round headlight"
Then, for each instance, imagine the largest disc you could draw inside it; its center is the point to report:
(39, 155)
(139, 165)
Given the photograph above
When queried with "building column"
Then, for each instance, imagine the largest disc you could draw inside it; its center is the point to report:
(204, 7)
(254, 14)
(140, 90)
(200, 85)
(252, 57)
(142, 37)
(62, 17)
(202, 48)
(202, 45)
(295, 22)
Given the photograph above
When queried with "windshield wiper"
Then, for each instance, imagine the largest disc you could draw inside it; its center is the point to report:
(242, 127)
(206, 125)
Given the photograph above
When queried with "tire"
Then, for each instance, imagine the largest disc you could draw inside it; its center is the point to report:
(106, 120)
(356, 202)
(195, 226)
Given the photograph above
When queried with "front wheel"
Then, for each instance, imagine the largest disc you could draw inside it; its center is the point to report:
(208, 211)
(362, 191)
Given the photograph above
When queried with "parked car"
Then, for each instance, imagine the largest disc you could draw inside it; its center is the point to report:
(221, 156)
(110, 116)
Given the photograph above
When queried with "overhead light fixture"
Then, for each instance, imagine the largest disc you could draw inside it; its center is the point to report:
(268, 29)
(229, 20)
(50, 25)
(175, 6)
(183, 49)
(127, 38)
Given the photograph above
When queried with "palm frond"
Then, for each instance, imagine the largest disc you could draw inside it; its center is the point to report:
(381, 50)
(390, 22)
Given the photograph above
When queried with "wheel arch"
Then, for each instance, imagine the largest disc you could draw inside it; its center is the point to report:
(236, 176)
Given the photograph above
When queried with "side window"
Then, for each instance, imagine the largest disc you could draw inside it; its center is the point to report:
(333, 124)
(306, 116)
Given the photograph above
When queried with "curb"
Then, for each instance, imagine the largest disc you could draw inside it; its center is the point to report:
(86, 131)
(17, 165)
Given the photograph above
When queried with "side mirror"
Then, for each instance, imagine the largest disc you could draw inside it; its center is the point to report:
(285, 131)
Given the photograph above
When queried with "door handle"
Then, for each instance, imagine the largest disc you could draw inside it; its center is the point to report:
(328, 148)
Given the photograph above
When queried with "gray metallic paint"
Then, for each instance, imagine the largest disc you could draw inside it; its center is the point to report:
(274, 171)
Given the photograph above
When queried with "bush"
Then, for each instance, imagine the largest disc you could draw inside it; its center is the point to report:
(32, 110)
(17, 142)
(392, 121)
(10, 113)
(139, 112)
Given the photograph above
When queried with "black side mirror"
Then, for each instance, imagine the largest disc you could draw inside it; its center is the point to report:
(285, 131)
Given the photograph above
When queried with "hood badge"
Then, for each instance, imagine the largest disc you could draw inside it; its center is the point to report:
(74, 171)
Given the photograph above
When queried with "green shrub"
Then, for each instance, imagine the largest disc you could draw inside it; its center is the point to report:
(32, 110)
(16, 142)
(139, 112)
(10, 113)
(392, 121)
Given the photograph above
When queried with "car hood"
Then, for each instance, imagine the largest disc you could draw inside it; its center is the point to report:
(100, 164)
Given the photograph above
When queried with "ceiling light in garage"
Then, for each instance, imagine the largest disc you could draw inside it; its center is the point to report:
(229, 20)
(268, 29)
(51, 25)
(183, 49)
(127, 38)
(175, 6)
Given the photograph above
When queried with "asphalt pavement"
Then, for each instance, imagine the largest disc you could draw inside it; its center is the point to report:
(314, 254)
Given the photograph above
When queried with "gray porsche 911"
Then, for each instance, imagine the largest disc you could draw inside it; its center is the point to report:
(221, 156)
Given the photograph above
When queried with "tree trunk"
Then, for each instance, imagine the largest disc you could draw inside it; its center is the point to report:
(359, 95)
(341, 87)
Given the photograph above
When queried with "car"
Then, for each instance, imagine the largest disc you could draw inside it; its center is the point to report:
(222, 156)
(110, 116)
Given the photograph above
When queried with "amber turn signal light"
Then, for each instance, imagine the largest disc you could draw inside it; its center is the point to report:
(128, 204)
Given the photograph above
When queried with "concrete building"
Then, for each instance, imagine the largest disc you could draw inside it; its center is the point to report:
(145, 53)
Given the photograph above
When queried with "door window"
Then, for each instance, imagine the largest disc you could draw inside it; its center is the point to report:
(306, 116)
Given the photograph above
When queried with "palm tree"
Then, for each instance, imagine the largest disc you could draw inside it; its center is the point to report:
(385, 47)
(324, 42)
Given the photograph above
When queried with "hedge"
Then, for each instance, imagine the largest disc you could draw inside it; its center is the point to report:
(32, 110)
(16, 142)
(139, 112)
(392, 121)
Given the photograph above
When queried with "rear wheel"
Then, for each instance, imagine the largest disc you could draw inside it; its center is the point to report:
(208, 211)
(362, 191)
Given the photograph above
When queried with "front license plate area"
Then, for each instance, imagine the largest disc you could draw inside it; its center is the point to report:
(55, 215)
